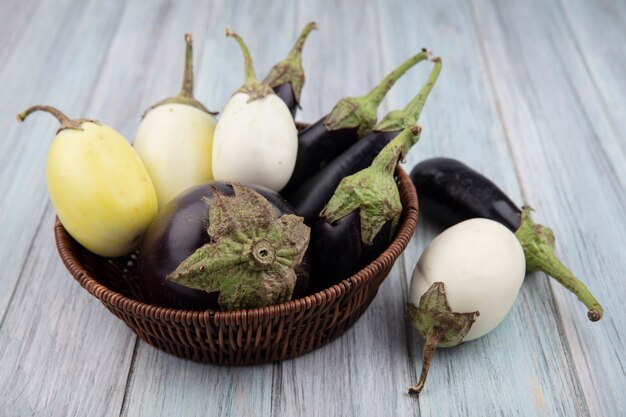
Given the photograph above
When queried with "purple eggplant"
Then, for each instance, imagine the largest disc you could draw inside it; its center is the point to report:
(450, 192)
(339, 251)
(351, 118)
(361, 217)
(287, 77)
(178, 231)
(311, 197)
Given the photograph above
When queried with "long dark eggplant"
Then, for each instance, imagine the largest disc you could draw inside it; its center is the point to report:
(360, 219)
(311, 197)
(287, 77)
(351, 118)
(450, 192)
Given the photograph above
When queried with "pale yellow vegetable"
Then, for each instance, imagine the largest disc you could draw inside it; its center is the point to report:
(174, 142)
(175, 139)
(98, 186)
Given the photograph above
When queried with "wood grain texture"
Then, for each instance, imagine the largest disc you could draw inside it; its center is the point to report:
(50, 371)
(461, 121)
(598, 30)
(522, 83)
(366, 370)
(577, 193)
(37, 72)
(16, 16)
(61, 353)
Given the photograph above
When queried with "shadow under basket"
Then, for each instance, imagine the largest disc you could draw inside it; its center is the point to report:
(240, 337)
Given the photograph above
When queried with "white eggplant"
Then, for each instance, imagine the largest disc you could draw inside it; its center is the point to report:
(175, 139)
(463, 285)
(256, 140)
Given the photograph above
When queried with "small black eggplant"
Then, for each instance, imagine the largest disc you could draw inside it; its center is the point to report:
(311, 197)
(172, 258)
(450, 192)
(287, 77)
(351, 118)
(360, 219)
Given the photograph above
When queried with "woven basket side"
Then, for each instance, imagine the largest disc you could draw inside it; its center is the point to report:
(238, 337)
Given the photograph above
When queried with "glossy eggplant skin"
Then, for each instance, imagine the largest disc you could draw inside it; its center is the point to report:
(285, 93)
(311, 197)
(317, 146)
(178, 230)
(450, 192)
(339, 252)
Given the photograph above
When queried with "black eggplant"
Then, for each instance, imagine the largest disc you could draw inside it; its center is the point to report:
(311, 197)
(286, 94)
(350, 119)
(178, 231)
(287, 77)
(450, 192)
(360, 219)
(339, 252)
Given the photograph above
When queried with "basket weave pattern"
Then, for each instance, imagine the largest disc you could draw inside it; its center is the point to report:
(240, 337)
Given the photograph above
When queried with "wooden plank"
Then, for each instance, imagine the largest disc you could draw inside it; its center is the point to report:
(41, 72)
(561, 155)
(339, 59)
(48, 372)
(517, 369)
(523, 368)
(599, 29)
(83, 344)
(364, 372)
(15, 16)
(61, 352)
(161, 384)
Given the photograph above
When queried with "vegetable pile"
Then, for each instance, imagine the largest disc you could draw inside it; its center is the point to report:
(239, 210)
(468, 278)
(244, 211)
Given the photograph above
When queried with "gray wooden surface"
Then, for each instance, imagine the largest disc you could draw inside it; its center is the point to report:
(531, 94)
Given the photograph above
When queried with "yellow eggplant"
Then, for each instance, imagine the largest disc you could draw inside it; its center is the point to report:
(98, 185)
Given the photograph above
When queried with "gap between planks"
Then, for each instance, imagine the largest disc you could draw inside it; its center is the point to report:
(558, 316)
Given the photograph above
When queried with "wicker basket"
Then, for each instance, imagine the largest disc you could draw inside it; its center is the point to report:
(240, 337)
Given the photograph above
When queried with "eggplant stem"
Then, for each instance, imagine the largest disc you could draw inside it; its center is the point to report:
(377, 94)
(538, 244)
(296, 50)
(388, 157)
(565, 277)
(415, 106)
(66, 122)
(187, 87)
(248, 67)
(430, 347)
(62, 118)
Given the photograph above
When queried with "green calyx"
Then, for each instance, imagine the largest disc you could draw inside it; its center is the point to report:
(66, 122)
(373, 191)
(186, 92)
(361, 112)
(254, 88)
(290, 70)
(252, 256)
(401, 119)
(538, 243)
(439, 325)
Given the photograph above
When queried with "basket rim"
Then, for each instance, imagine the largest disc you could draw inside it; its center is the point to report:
(108, 296)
